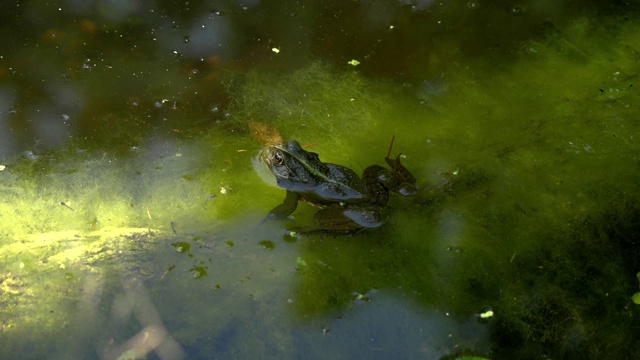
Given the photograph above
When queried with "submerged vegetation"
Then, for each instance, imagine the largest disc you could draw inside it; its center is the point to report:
(525, 228)
(539, 220)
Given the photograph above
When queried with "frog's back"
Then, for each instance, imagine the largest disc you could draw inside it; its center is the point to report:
(339, 184)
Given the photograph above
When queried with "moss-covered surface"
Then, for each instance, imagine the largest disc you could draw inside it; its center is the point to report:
(528, 207)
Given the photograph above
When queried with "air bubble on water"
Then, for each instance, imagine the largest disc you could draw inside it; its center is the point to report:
(516, 10)
(215, 108)
(87, 64)
(472, 5)
(186, 39)
(65, 118)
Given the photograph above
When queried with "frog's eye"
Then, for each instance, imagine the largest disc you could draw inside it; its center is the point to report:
(278, 158)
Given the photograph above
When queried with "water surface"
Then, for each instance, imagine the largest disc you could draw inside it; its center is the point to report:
(130, 200)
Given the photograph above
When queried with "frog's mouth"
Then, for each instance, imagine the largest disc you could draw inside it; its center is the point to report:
(267, 154)
(261, 164)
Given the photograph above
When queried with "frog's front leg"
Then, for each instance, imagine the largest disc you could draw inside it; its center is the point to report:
(285, 209)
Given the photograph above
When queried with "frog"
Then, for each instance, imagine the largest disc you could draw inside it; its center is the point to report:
(348, 203)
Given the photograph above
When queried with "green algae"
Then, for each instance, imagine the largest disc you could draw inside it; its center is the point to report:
(528, 172)
(541, 219)
(105, 191)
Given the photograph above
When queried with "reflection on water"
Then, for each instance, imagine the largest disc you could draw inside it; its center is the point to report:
(131, 193)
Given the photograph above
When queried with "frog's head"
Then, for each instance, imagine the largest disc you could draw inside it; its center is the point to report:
(295, 169)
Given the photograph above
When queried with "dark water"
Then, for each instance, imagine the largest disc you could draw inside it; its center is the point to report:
(130, 193)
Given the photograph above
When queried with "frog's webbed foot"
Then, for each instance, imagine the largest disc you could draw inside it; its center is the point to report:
(367, 216)
(406, 189)
(395, 164)
(283, 210)
(398, 182)
(270, 217)
(400, 179)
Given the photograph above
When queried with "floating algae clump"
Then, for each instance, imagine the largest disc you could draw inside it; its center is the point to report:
(315, 103)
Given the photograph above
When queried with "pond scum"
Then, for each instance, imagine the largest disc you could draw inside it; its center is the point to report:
(541, 222)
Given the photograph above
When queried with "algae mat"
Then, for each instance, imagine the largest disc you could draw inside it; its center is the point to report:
(522, 242)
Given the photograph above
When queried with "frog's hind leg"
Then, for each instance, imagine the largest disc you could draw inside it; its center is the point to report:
(338, 219)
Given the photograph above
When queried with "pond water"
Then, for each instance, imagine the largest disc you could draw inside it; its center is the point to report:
(132, 198)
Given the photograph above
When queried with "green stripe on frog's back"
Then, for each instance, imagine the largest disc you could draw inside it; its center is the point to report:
(336, 182)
